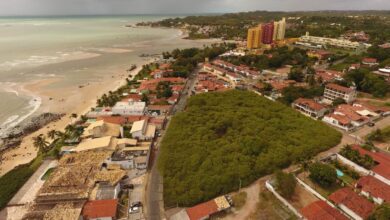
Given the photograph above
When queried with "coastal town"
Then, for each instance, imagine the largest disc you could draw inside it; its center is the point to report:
(103, 165)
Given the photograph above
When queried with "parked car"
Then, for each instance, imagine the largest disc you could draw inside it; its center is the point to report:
(371, 124)
(133, 210)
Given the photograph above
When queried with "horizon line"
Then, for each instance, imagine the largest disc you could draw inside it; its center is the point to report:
(189, 14)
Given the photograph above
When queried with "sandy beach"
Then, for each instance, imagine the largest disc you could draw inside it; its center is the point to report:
(69, 100)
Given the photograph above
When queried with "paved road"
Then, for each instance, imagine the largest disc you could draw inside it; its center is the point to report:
(154, 190)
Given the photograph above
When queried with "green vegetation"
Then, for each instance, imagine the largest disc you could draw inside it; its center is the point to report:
(274, 58)
(382, 212)
(323, 174)
(224, 139)
(365, 161)
(47, 174)
(12, 181)
(366, 81)
(239, 199)
(285, 184)
(291, 93)
(380, 135)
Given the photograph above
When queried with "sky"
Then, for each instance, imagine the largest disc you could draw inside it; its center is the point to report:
(87, 7)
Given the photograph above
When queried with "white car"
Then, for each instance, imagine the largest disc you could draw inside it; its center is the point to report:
(134, 209)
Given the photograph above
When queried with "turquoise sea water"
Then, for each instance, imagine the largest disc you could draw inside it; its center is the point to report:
(39, 48)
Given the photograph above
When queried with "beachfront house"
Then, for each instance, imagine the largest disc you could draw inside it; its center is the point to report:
(129, 108)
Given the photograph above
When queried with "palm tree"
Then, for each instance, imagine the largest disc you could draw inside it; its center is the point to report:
(70, 129)
(52, 134)
(41, 143)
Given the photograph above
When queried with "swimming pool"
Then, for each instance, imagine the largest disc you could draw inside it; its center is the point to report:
(339, 173)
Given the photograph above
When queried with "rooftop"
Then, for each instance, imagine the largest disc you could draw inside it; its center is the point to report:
(100, 209)
(96, 144)
(358, 204)
(138, 126)
(375, 187)
(320, 210)
(310, 103)
(339, 88)
(383, 160)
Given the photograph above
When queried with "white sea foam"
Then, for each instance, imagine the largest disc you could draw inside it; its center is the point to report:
(14, 120)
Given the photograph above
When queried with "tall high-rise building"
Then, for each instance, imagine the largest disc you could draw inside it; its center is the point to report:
(279, 29)
(254, 37)
(268, 33)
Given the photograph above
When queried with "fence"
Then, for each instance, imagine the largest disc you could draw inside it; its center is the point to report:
(269, 186)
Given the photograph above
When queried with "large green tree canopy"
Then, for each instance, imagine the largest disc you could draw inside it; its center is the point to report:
(226, 139)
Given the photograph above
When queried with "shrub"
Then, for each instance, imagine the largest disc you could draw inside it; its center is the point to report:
(323, 174)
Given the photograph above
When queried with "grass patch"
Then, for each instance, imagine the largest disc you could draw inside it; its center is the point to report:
(226, 138)
(47, 174)
(12, 181)
(239, 199)
(269, 207)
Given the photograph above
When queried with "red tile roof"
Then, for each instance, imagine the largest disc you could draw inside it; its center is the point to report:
(350, 112)
(100, 209)
(329, 75)
(310, 103)
(202, 210)
(383, 160)
(134, 97)
(119, 120)
(342, 119)
(375, 187)
(320, 210)
(358, 204)
(369, 60)
(339, 88)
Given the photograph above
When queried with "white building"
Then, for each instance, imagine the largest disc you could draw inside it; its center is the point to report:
(334, 91)
(141, 130)
(341, 43)
(129, 108)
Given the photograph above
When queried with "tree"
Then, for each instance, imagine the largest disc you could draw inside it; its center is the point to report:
(323, 174)
(382, 212)
(145, 98)
(41, 143)
(285, 183)
(296, 74)
(52, 134)
(338, 101)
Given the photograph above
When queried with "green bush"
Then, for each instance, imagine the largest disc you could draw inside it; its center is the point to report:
(323, 174)
(224, 139)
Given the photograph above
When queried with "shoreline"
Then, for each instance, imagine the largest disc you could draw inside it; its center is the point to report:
(26, 152)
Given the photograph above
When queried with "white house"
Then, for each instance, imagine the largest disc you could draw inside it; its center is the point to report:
(129, 108)
(141, 130)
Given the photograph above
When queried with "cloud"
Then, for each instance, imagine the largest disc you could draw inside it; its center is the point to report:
(55, 7)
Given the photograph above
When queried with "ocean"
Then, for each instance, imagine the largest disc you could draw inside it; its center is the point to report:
(76, 50)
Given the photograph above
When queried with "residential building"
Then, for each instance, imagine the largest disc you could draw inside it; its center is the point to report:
(279, 29)
(381, 170)
(103, 143)
(341, 43)
(310, 107)
(370, 61)
(319, 54)
(334, 91)
(100, 129)
(348, 117)
(254, 39)
(320, 210)
(267, 33)
(385, 45)
(355, 206)
(329, 75)
(129, 108)
(374, 189)
(204, 210)
(141, 130)
(100, 209)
